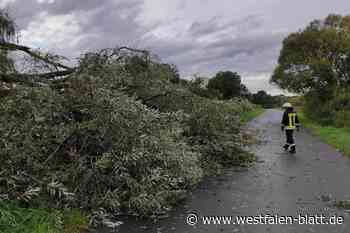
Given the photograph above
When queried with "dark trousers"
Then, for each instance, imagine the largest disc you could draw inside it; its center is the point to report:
(290, 138)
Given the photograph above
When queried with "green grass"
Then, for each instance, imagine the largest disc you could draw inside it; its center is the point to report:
(337, 137)
(16, 219)
(250, 115)
(74, 221)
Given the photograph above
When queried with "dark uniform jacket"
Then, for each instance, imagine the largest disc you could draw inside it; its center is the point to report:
(290, 120)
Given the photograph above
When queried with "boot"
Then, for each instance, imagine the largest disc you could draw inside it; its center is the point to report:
(285, 147)
(292, 150)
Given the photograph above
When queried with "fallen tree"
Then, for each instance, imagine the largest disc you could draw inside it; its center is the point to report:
(117, 134)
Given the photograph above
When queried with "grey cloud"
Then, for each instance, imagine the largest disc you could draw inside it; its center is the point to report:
(245, 54)
(109, 20)
(61, 7)
(242, 41)
(65, 7)
(169, 49)
(102, 23)
(213, 25)
(190, 51)
(24, 11)
(204, 28)
(249, 44)
(181, 5)
(109, 27)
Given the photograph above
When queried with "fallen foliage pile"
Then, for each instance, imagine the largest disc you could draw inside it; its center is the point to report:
(119, 135)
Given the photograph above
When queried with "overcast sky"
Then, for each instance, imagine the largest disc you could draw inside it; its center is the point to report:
(199, 36)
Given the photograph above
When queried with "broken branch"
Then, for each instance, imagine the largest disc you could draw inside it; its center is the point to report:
(27, 50)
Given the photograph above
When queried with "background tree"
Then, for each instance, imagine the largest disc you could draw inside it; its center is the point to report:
(7, 33)
(266, 100)
(7, 27)
(316, 62)
(316, 58)
(228, 84)
(198, 85)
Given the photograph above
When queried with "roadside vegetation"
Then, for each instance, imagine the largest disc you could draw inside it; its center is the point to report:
(335, 136)
(16, 219)
(118, 134)
(250, 115)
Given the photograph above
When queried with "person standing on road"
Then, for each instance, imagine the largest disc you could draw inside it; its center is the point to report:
(289, 123)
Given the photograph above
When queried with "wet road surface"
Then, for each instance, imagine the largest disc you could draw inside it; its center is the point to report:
(280, 184)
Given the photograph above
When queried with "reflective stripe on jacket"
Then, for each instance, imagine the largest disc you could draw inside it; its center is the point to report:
(290, 119)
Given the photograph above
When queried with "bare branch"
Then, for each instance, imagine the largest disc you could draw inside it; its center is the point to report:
(34, 79)
(31, 79)
(133, 50)
(27, 50)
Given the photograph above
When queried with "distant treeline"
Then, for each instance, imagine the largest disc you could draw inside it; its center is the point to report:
(227, 85)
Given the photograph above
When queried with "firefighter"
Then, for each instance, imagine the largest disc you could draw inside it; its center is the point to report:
(289, 123)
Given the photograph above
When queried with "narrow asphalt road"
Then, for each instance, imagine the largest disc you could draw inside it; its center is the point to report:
(278, 184)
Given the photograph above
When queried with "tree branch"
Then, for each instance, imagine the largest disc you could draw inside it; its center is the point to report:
(27, 50)
(145, 100)
(31, 79)
(133, 50)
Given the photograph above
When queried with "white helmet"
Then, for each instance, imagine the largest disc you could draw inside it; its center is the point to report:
(287, 105)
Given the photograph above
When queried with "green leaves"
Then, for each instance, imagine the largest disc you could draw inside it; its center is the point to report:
(316, 56)
(121, 134)
(227, 83)
(316, 62)
(14, 219)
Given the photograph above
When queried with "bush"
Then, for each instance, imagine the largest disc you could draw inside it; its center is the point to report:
(329, 111)
(342, 119)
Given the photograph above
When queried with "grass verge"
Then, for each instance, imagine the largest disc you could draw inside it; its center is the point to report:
(337, 137)
(250, 115)
(17, 219)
